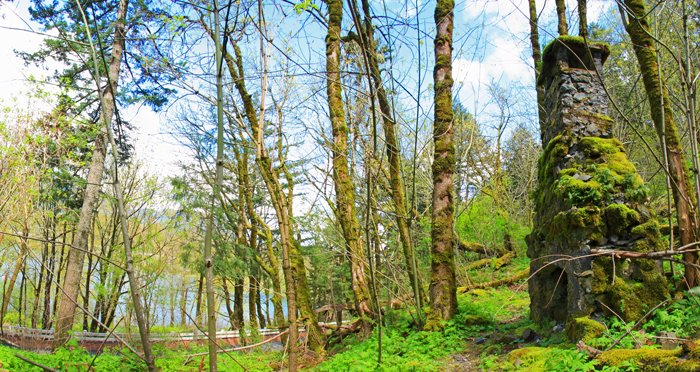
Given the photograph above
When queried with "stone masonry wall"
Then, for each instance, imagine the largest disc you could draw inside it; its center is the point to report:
(589, 195)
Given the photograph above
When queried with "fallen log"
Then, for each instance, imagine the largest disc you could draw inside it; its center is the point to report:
(503, 260)
(496, 263)
(479, 248)
(496, 283)
(478, 264)
(341, 332)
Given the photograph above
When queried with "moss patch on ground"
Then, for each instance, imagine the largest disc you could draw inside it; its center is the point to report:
(648, 359)
(584, 329)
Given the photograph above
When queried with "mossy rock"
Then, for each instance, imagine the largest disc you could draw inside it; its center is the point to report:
(619, 218)
(574, 44)
(583, 329)
(601, 279)
(534, 357)
(649, 359)
(634, 298)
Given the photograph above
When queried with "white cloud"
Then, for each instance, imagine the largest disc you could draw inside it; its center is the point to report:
(502, 45)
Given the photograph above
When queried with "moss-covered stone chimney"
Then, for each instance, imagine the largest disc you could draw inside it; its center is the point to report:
(589, 196)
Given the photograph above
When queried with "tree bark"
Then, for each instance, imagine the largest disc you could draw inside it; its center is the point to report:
(393, 154)
(295, 274)
(238, 289)
(537, 60)
(227, 301)
(443, 295)
(344, 187)
(258, 305)
(667, 131)
(582, 18)
(562, 27)
(74, 268)
(272, 271)
(252, 303)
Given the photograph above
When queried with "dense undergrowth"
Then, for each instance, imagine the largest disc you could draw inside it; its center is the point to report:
(492, 332)
(482, 314)
(73, 358)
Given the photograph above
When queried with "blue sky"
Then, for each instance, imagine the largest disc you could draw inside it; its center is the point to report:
(491, 45)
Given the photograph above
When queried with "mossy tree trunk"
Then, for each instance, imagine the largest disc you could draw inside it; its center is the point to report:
(392, 148)
(536, 59)
(259, 228)
(252, 303)
(295, 272)
(238, 289)
(272, 270)
(443, 295)
(582, 18)
(562, 27)
(667, 131)
(292, 265)
(227, 301)
(344, 187)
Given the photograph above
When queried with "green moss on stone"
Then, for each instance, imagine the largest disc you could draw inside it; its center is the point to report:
(575, 44)
(583, 329)
(620, 164)
(597, 146)
(650, 233)
(619, 218)
(579, 192)
(634, 298)
(601, 278)
(535, 358)
(649, 359)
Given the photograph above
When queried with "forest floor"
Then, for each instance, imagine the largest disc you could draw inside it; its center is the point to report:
(492, 331)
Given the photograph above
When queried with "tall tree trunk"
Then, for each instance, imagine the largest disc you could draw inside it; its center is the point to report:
(198, 304)
(60, 279)
(227, 301)
(40, 279)
(216, 197)
(258, 305)
(443, 290)
(252, 304)
(562, 27)
(582, 18)
(344, 187)
(76, 254)
(272, 271)
(667, 131)
(140, 312)
(295, 273)
(536, 60)
(183, 305)
(51, 268)
(88, 276)
(171, 300)
(271, 267)
(238, 290)
(392, 151)
(264, 314)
